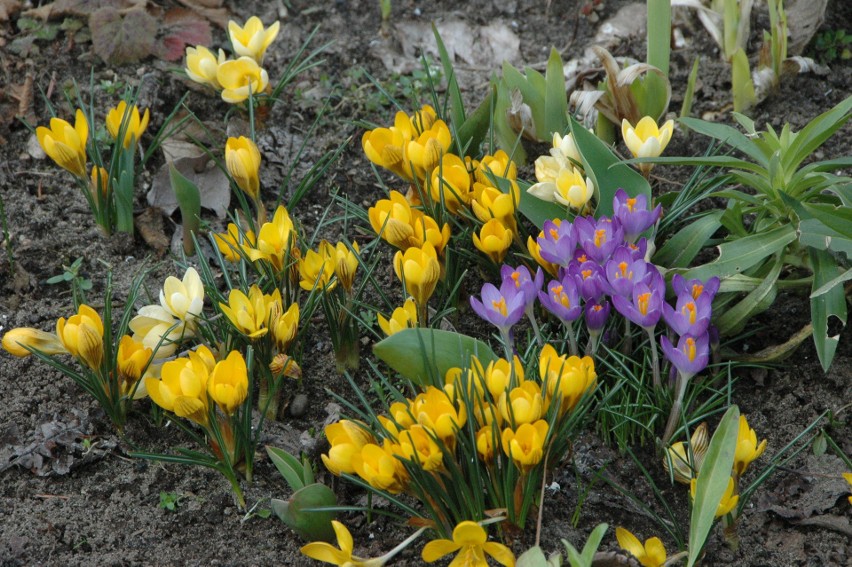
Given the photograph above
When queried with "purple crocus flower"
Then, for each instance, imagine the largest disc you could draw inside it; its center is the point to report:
(562, 299)
(696, 288)
(599, 238)
(623, 271)
(596, 313)
(558, 242)
(690, 316)
(633, 214)
(520, 280)
(647, 305)
(590, 280)
(691, 355)
(638, 249)
(502, 311)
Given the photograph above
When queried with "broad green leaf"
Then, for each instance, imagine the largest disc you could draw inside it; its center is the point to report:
(761, 298)
(514, 79)
(456, 102)
(189, 200)
(742, 85)
(593, 543)
(824, 305)
(289, 467)
(607, 171)
(712, 481)
(817, 235)
(424, 355)
(681, 249)
(555, 99)
(304, 513)
(533, 557)
(829, 285)
(743, 253)
(507, 139)
(538, 210)
(472, 132)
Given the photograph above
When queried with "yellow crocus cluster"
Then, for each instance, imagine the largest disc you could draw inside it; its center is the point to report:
(328, 266)
(412, 148)
(403, 226)
(274, 243)
(235, 78)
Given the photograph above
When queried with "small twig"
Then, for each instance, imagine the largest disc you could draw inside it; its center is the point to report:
(50, 496)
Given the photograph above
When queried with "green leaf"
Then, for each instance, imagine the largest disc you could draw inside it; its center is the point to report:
(729, 162)
(534, 98)
(456, 102)
(816, 133)
(555, 99)
(712, 481)
(506, 138)
(607, 171)
(681, 249)
(303, 512)
(471, 133)
(815, 234)
(289, 467)
(728, 135)
(829, 285)
(743, 253)
(593, 543)
(826, 304)
(189, 200)
(741, 82)
(533, 557)
(734, 318)
(438, 352)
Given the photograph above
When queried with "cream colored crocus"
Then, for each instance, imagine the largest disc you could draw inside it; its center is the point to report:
(646, 140)
(82, 335)
(184, 298)
(651, 554)
(566, 147)
(493, 240)
(572, 189)
(19, 341)
(66, 144)
(404, 317)
(419, 270)
(242, 159)
(128, 118)
(202, 65)
(228, 384)
(239, 77)
(252, 39)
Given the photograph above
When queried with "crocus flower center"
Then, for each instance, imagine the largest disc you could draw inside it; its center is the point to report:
(500, 306)
(630, 204)
(586, 274)
(554, 234)
(516, 277)
(689, 312)
(622, 271)
(642, 302)
(690, 349)
(597, 308)
(560, 296)
(697, 290)
(582, 258)
(600, 237)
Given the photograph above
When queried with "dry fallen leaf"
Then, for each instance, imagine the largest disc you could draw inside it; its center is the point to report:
(9, 8)
(80, 7)
(150, 226)
(122, 37)
(210, 9)
(181, 27)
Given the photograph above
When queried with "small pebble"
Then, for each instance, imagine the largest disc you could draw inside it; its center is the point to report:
(299, 405)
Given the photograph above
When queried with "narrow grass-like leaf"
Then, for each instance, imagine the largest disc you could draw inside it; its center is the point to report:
(421, 354)
(712, 481)
(681, 249)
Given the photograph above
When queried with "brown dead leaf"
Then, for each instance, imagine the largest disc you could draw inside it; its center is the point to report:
(151, 229)
(80, 7)
(9, 8)
(120, 38)
(181, 27)
(210, 9)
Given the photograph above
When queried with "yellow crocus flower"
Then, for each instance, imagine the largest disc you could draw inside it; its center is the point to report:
(419, 270)
(131, 359)
(435, 410)
(747, 447)
(471, 542)
(392, 220)
(729, 498)
(284, 326)
(497, 165)
(526, 445)
(231, 242)
(847, 476)
(134, 125)
(346, 437)
(82, 335)
(451, 183)
(426, 229)
(100, 182)
(423, 153)
(249, 314)
(652, 554)
(182, 386)
(379, 468)
(385, 146)
(418, 445)
(522, 404)
(498, 376)
(316, 269)
(17, 341)
(684, 467)
(534, 250)
(485, 437)
(646, 140)
(346, 263)
(568, 377)
(242, 159)
(491, 203)
(66, 145)
(202, 65)
(239, 77)
(404, 317)
(274, 240)
(228, 384)
(341, 555)
(253, 39)
(493, 240)
(572, 190)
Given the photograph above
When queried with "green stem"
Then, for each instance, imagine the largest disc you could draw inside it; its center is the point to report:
(655, 359)
(674, 416)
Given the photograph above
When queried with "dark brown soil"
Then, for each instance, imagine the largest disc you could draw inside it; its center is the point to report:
(71, 495)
